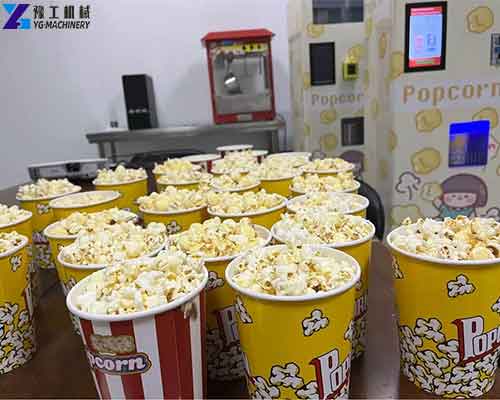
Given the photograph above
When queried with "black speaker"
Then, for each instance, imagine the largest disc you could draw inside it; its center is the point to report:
(140, 101)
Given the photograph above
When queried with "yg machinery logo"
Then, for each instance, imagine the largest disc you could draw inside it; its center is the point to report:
(16, 11)
(25, 16)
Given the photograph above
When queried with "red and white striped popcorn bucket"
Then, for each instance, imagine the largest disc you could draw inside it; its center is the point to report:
(154, 354)
(204, 160)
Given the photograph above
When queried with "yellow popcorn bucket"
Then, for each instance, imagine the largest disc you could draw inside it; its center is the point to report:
(192, 185)
(294, 204)
(361, 251)
(223, 354)
(297, 346)
(130, 192)
(265, 218)
(175, 221)
(279, 186)
(61, 211)
(251, 188)
(71, 274)
(57, 242)
(354, 190)
(25, 227)
(43, 215)
(17, 328)
(449, 322)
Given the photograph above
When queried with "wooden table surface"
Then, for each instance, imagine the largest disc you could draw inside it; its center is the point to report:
(59, 368)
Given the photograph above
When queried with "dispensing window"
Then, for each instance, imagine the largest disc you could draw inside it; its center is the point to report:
(469, 144)
(495, 49)
(353, 131)
(425, 36)
(322, 60)
(337, 11)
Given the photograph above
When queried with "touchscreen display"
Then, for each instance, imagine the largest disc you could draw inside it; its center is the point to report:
(426, 36)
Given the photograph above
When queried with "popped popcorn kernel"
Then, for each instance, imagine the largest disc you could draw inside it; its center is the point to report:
(291, 271)
(140, 285)
(327, 202)
(243, 203)
(114, 243)
(276, 168)
(85, 199)
(119, 175)
(12, 215)
(9, 241)
(175, 165)
(172, 199)
(312, 227)
(234, 181)
(215, 238)
(240, 162)
(343, 182)
(459, 239)
(328, 165)
(44, 188)
(179, 177)
(80, 222)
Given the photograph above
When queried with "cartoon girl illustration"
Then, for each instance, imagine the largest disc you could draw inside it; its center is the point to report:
(461, 194)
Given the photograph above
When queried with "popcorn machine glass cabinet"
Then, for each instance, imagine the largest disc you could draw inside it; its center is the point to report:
(241, 77)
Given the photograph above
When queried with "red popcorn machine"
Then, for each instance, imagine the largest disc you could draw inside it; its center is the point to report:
(241, 75)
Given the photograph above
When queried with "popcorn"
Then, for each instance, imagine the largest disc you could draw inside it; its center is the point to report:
(321, 228)
(243, 203)
(214, 238)
(119, 175)
(234, 181)
(342, 182)
(172, 199)
(44, 188)
(85, 199)
(460, 239)
(282, 271)
(115, 243)
(179, 177)
(12, 215)
(241, 162)
(141, 285)
(9, 241)
(174, 167)
(80, 222)
(328, 165)
(327, 202)
(276, 168)
(293, 160)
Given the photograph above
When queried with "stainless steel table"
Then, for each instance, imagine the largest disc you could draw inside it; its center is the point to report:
(190, 134)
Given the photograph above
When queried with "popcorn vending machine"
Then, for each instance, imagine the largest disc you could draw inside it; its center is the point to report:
(433, 102)
(241, 75)
(327, 61)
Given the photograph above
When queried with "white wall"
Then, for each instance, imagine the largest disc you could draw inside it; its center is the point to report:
(55, 86)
